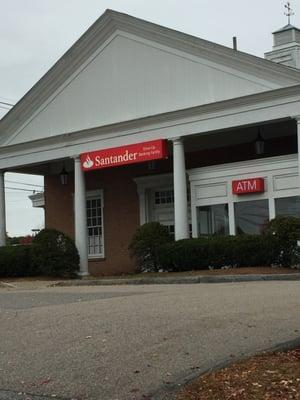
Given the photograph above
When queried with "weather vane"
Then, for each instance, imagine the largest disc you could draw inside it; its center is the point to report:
(289, 11)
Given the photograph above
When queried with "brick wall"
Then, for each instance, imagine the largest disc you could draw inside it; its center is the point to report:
(59, 208)
(121, 215)
(121, 218)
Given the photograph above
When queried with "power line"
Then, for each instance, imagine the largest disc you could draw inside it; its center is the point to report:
(6, 104)
(25, 190)
(17, 201)
(26, 184)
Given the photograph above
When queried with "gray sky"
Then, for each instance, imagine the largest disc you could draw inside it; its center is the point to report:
(35, 33)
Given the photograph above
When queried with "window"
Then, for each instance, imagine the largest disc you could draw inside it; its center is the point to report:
(288, 206)
(164, 197)
(171, 229)
(251, 216)
(213, 220)
(94, 209)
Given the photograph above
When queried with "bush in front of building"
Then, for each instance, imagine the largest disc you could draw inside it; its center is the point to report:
(286, 232)
(15, 262)
(216, 252)
(145, 245)
(54, 254)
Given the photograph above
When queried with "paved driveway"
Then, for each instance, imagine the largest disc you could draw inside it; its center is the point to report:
(126, 342)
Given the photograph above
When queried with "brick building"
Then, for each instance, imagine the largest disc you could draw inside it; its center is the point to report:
(230, 122)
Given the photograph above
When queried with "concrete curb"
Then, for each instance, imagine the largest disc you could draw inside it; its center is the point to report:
(179, 280)
(7, 285)
(13, 395)
(168, 392)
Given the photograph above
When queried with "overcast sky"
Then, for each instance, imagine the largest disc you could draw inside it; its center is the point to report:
(35, 33)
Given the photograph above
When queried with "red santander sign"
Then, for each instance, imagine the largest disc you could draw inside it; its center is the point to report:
(131, 154)
(251, 185)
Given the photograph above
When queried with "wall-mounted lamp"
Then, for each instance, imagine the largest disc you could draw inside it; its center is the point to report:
(64, 176)
(259, 144)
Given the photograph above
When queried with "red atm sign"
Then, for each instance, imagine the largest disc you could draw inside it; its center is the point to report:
(131, 154)
(252, 185)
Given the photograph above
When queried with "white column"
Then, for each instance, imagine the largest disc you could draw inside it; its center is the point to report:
(194, 211)
(272, 213)
(2, 211)
(180, 191)
(80, 217)
(298, 138)
(231, 217)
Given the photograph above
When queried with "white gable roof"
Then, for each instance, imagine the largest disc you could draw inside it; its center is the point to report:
(124, 68)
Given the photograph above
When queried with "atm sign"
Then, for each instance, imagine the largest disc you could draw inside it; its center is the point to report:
(246, 186)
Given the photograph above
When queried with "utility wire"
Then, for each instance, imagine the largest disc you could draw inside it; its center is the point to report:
(6, 104)
(25, 190)
(26, 184)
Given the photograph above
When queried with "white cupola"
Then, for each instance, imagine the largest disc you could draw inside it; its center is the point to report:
(286, 47)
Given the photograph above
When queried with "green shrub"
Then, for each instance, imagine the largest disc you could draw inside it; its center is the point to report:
(286, 232)
(54, 254)
(15, 262)
(145, 244)
(217, 252)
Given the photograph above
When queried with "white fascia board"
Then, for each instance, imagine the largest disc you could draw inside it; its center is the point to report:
(244, 167)
(214, 117)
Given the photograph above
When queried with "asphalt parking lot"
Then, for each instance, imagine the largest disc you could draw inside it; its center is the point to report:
(134, 342)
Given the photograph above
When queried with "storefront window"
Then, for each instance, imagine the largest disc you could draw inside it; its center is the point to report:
(95, 225)
(288, 206)
(213, 220)
(251, 217)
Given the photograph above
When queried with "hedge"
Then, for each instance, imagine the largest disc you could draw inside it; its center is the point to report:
(286, 232)
(153, 248)
(217, 252)
(52, 253)
(15, 262)
(145, 245)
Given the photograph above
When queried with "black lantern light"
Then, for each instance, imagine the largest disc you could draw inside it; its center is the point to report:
(259, 144)
(64, 176)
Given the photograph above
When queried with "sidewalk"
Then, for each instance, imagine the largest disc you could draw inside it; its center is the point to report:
(165, 280)
(255, 274)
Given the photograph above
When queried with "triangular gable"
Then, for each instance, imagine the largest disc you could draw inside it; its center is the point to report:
(130, 76)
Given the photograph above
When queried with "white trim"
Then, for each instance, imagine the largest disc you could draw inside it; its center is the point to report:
(244, 167)
(272, 212)
(93, 194)
(244, 111)
(231, 218)
(281, 180)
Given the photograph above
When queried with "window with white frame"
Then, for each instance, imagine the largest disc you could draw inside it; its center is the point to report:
(164, 197)
(94, 210)
(288, 206)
